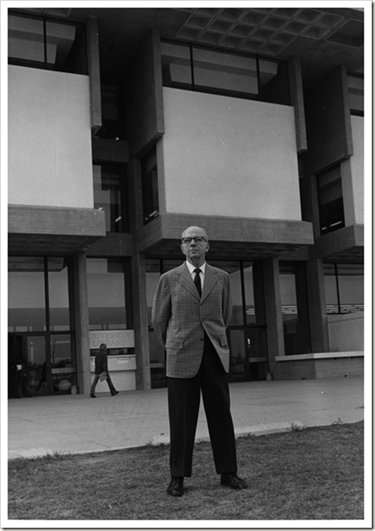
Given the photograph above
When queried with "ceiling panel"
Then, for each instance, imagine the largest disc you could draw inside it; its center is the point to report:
(273, 28)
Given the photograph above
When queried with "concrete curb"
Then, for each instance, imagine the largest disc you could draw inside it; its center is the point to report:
(260, 429)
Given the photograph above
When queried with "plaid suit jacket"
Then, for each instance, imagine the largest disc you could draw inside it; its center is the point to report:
(180, 317)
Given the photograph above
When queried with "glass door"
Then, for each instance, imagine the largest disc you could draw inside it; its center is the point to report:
(41, 351)
(239, 364)
(26, 366)
(63, 370)
(39, 378)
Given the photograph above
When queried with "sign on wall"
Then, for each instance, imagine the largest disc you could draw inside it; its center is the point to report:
(112, 338)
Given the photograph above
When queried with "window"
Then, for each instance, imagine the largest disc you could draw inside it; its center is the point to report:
(331, 205)
(273, 82)
(219, 72)
(29, 280)
(356, 95)
(344, 288)
(44, 43)
(176, 65)
(26, 294)
(40, 324)
(112, 111)
(150, 194)
(110, 195)
(294, 308)
(109, 299)
(224, 72)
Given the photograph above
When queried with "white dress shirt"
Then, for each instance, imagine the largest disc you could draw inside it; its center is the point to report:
(191, 269)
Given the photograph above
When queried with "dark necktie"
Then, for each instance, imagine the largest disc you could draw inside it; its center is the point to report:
(197, 281)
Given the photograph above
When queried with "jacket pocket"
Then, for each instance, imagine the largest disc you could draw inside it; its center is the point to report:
(223, 341)
(173, 343)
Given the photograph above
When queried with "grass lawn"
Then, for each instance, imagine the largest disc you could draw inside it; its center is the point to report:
(317, 473)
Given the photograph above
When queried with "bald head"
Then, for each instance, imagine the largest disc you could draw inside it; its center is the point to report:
(197, 231)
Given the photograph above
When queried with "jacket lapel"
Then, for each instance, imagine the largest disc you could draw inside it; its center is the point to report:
(184, 278)
(209, 281)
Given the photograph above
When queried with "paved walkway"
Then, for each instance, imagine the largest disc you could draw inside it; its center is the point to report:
(79, 424)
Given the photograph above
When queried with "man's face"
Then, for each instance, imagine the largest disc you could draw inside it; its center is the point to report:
(194, 249)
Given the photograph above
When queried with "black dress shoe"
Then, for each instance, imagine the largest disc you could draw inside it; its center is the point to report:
(93, 396)
(115, 393)
(233, 481)
(176, 487)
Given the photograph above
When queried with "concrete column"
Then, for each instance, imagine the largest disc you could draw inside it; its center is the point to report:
(139, 296)
(81, 316)
(303, 324)
(274, 318)
(317, 306)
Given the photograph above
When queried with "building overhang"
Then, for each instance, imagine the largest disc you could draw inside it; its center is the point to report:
(230, 238)
(42, 231)
(115, 244)
(343, 245)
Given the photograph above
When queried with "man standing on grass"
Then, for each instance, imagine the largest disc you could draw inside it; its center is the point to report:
(191, 311)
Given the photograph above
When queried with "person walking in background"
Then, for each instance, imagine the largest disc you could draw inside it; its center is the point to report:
(101, 371)
(191, 311)
(43, 376)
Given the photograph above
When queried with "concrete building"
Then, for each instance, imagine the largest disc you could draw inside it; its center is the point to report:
(126, 125)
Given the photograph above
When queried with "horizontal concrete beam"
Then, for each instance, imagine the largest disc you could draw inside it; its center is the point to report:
(23, 219)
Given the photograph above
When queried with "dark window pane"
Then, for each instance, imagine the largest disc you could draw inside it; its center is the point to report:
(351, 287)
(110, 196)
(63, 369)
(112, 108)
(294, 308)
(66, 47)
(26, 295)
(150, 194)
(26, 40)
(356, 95)
(224, 72)
(176, 65)
(58, 294)
(49, 45)
(274, 83)
(330, 288)
(106, 294)
(59, 40)
(331, 205)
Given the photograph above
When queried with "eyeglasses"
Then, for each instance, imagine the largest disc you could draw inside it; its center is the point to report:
(197, 239)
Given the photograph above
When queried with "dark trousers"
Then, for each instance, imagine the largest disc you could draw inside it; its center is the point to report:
(183, 404)
(109, 382)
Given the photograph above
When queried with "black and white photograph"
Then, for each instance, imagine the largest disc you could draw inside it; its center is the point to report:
(186, 264)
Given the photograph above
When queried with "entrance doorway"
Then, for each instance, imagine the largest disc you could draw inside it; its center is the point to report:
(40, 364)
(248, 348)
(41, 347)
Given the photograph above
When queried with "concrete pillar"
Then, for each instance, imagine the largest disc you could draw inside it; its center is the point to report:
(317, 306)
(81, 317)
(303, 323)
(274, 318)
(139, 296)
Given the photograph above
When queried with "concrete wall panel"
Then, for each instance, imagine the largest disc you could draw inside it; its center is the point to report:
(228, 157)
(49, 140)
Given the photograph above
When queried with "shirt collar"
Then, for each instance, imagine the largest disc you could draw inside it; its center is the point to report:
(191, 267)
